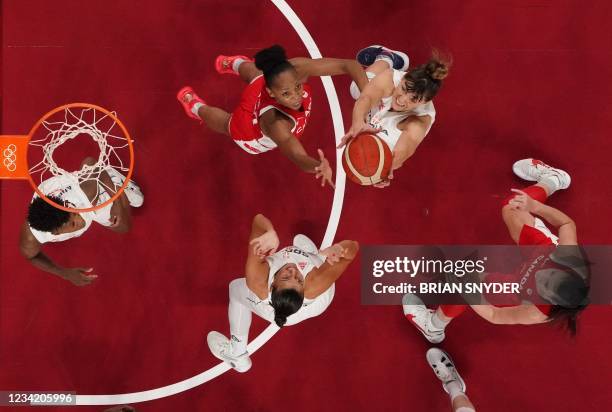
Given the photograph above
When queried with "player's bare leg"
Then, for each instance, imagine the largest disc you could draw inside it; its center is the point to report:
(248, 71)
(216, 119)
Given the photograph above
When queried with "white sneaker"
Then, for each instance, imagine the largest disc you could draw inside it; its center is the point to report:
(303, 242)
(537, 171)
(132, 191)
(417, 313)
(219, 345)
(444, 368)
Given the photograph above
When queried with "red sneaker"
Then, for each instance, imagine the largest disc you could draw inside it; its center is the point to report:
(188, 105)
(225, 64)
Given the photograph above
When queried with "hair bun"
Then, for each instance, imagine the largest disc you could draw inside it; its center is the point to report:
(437, 70)
(267, 59)
(280, 320)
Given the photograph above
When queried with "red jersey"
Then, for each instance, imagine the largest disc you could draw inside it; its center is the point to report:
(526, 278)
(255, 101)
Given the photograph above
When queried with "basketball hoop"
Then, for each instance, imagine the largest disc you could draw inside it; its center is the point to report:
(33, 156)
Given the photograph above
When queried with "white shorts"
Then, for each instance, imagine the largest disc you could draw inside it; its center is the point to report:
(263, 309)
(265, 144)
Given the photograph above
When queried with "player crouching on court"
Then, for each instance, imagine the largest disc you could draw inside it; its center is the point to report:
(46, 223)
(285, 287)
(396, 104)
(560, 278)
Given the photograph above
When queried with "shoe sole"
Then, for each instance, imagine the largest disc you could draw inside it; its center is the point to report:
(179, 96)
(429, 356)
(211, 339)
(404, 56)
(219, 64)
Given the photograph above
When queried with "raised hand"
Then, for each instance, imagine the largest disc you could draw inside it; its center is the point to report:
(355, 130)
(333, 253)
(324, 171)
(265, 245)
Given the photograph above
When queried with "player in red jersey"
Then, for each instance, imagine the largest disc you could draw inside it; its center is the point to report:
(563, 285)
(275, 106)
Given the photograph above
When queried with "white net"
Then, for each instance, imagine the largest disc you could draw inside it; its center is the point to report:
(77, 121)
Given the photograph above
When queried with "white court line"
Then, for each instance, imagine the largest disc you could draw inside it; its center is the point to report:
(330, 233)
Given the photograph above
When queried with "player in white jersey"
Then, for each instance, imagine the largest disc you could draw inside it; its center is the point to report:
(396, 104)
(285, 287)
(46, 223)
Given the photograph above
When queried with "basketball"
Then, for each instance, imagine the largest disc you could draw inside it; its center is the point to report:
(367, 160)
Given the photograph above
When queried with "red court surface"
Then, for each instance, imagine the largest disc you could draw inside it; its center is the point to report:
(530, 78)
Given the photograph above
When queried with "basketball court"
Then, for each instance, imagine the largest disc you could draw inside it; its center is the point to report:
(529, 79)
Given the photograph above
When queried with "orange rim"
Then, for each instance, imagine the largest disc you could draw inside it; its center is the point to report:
(130, 147)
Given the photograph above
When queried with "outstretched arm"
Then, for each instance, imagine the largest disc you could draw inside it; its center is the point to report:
(413, 133)
(263, 241)
(321, 278)
(279, 130)
(371, 95)
(306, 67)
(31, 249)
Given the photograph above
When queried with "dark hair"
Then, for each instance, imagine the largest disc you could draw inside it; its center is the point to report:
(566, 317)
(44, 216)
(575, 292)
(285, 303)
(272, 62)
(425, 80)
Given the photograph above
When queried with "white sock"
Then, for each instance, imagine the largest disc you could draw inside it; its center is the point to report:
(437, 322)
(465, 409)
(237, 64)
(196, 107)
(454, 390)
(238, 345)
(386, 59)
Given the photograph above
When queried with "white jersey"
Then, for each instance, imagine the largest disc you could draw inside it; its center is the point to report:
(68, 189)
(382, 116)
(304, 261)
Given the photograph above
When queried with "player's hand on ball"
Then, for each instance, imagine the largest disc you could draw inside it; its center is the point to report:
(522, 201)
(355, 130)
(265, 244)
(333, 253)
(79, 276)
(386, 182)
(324, 170)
